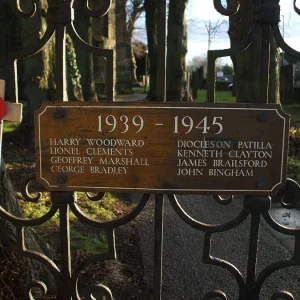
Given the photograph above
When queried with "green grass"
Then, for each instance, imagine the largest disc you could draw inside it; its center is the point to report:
(221, 96)
(89, 244)
(293, 169)
(140, 90)
(135, 90)
(98, 210)
(83, 238)
(294, 111)
(226, 97)
(9, 126)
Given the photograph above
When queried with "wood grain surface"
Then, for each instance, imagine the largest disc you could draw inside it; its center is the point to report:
(162, 147)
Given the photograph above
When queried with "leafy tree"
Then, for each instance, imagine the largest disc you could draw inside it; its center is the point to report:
(196, 62)
(227, 69)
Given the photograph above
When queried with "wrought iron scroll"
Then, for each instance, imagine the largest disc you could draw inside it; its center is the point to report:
(60, 21)
(226, 11)
(66, 281)
(250, 285)
(60, 17)
(266, 21)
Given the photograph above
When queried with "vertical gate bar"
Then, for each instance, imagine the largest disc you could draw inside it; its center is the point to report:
(158, 245)
(297, 247)
(110, 233)
(60, 57)
(265, 64)
(110, 77)
(211, 77)
(13, 80)
(63, 199)
(252, 293)
(253, 246)
(161, 50)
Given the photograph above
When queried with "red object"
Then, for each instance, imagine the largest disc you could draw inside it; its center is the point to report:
(2, 109)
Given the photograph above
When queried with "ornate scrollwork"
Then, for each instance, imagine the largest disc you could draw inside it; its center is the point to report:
(85, 263)
(282, 295)
(223, 201)
(105, 292)
(100, 11)
(215, 294)
(39, 287)
(96, 197)
(297, 10)
(289, 195)
(60, 15)
(25, 190)
(226, 11)
(15, 6)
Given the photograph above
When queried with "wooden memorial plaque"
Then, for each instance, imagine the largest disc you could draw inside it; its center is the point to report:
(162, 147)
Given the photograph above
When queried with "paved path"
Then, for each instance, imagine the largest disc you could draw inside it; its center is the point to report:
(184, 274)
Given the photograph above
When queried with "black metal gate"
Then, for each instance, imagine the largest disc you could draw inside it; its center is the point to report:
(60, 21)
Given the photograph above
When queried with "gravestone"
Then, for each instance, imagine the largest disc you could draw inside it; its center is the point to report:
(201, 77)
(287, 84)
(195, 80)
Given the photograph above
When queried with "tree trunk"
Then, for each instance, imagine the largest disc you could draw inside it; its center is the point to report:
(84, 59)
(151, 26)
(137, 9)
(247, 64)
(123, 51)
(34, 270)
(73, 74)
(177, 49)
(37, 68)
(133, 68)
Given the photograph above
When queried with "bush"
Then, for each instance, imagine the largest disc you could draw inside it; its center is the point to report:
(294, 142)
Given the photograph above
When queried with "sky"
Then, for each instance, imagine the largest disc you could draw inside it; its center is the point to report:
(199, 11)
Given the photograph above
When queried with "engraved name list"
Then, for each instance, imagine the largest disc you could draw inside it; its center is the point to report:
(161, 147)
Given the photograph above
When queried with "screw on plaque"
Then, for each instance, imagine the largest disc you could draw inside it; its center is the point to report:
(59, 113)
(262, 117)
(62, 179)
(260, 183)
